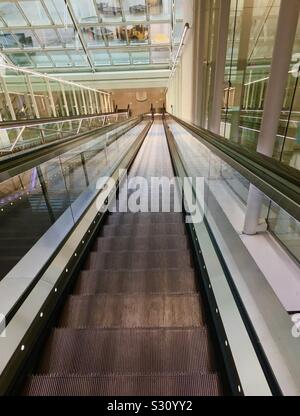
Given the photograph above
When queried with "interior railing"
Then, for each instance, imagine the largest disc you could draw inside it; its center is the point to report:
(16, 136)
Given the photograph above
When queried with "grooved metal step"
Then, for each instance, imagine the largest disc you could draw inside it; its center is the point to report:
(124, 385)
(129, 281)
(139, 260)
(131, 351)
(144, 218)
(142, 230)
(163, 242)
(132, 311)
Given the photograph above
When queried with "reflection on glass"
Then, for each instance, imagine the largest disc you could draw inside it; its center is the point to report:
(92, 36)
(115, 34)
(160, 56)
(40, 59)
(79, 58)
(48, 38)
(20, 59)
(100, 58)
(84, 11)
(160, 33)
(35, 12)
(109, 10)
(160, 9)
(285, 228)
(69, 37)
(60, 59)
(120, 58)
(138, 34)
(58, 11)
(26, 39)
(135, 9)
(11, 14)
(8, 40)
(178, 30)
(140, 58)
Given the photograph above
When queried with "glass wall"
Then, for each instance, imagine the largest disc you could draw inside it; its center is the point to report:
(252, 31)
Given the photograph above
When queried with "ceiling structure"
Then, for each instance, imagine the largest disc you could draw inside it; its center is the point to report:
(91, 36)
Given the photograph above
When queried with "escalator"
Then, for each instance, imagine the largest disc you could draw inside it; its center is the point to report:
(141, 302)
(135, 323)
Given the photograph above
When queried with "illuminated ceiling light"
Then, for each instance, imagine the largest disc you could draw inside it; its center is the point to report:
(50, 77)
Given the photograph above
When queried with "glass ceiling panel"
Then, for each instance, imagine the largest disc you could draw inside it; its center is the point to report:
(58, 11)
(140, 58)
(120, 58)
(26, 38)
(20, 59)
(109, 10)
(84, 11)
(115, 35)
(60, 59)
(134, 26)
(40, 59)
(138, 34)
(160, 9)
(101, 58)
(11, 14)
(48, 38)
(160, 33)
(7, 40)
(79, 58)
(135, 9)
(93, 36)
(35, 12)
(69, 37)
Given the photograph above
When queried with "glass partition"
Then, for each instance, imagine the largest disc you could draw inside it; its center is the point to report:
(33, 200)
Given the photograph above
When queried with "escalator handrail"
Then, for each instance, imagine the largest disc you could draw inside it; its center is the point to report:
(51, 120)
(17, 159)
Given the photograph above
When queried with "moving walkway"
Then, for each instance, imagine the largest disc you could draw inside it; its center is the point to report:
(137, 303)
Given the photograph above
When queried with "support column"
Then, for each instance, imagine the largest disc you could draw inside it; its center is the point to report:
(65, 100)
(199, 39)
(240, 89)
(91, 102)
(7, 99)
(50, 95)
(283, 49)
(32, 96)
(75, 101)
(84, 102)
(214, 123)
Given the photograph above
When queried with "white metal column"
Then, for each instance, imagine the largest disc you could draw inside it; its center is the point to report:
(75, 101)
(91, 102)
(283, 49)
(7, 99)
(199, 39)
(65, 99)
(218, 85)
(32, 96)
(84, 102)
(50, 95)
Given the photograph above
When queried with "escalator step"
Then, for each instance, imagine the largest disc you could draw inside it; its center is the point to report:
(127, 281)
(124, 385)
(163, 242)
(143, 230)
(141, 260)
(132, 311)
(132, 351)
(142, 218)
